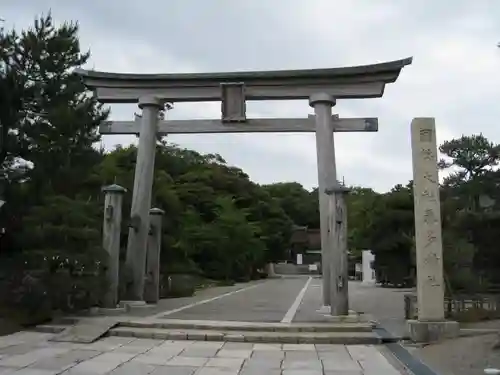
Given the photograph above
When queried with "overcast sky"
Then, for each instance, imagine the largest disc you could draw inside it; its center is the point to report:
(454, 76)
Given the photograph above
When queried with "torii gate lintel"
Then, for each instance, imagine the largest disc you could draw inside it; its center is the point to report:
(259, 125)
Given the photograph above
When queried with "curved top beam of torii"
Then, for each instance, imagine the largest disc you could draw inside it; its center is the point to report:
(356, 82)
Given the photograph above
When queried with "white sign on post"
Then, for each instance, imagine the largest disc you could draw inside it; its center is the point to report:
(299, 258)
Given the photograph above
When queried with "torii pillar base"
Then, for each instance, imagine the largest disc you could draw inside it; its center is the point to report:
(426, 332)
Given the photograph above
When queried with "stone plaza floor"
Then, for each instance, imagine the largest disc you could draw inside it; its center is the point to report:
(30, 353)
(269, 301)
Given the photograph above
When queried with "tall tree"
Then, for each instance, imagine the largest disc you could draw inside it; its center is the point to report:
(48, 118)
(473, 155)
(298, 203)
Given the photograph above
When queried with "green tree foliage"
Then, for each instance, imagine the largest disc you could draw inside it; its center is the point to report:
(469, 208)
(50, 229)
(200, 195)
(389, 234)
(299, 204)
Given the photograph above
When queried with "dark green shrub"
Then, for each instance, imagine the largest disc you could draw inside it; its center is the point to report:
(34, 285)
(178, 285)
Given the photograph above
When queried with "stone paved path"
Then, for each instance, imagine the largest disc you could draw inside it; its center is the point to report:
(384, 304)
(29, 353)
(268, 301)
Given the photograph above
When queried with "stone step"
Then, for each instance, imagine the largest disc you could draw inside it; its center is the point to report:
(346, 338)
(176, 324)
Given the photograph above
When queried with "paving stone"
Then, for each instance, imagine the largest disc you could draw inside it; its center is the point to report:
(34, 371)
(85, 331)
(199, 352)
(54, 364)
(330, 347)
(92, 366)
(341, 365)
(269, 363)
(33, 355)
(174, 370)
(375, 359)
(234, 353)
(238, 346)
(377, 369)
(273, 354)
(225, 362)
(17, 349)
(138, 346)
(300, 365)
(25, 337)
(114, 357)
(266, 347)
(151, 359)
(132, 349)
(303, 372)
(117, 340)
(360, 352)
(145, 342)
(299, 355)
(217, 371)
(167, 351)
(206, 344)
(187, 361)
(335, 372)
(108, 343)
(259, 371)
(334, 355)
(176, 344)
(133, 368)
(6, 370)
(21, 360)
(79, 355)
(301, 347)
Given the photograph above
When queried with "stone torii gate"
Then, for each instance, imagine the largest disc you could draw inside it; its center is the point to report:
(322, 87)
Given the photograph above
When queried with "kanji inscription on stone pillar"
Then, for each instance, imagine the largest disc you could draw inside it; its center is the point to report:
(428, 239)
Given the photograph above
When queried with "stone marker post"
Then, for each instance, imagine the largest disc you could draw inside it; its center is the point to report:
(431, 324)
(152, 285)
(337, 231)
(111, 231)
(141, 199)
(325, 149)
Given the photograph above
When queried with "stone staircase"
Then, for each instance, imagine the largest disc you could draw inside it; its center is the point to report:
(360, 333)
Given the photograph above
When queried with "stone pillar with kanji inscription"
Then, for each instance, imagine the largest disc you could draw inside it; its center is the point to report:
(431, 324)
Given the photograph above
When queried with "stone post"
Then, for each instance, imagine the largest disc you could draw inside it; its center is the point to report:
(337, 231)
(152, 285)
(431, 324)
(141, 198)
(325, 150)
(111, 231)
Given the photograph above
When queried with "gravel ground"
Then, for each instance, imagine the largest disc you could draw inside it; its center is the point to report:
(463, 356)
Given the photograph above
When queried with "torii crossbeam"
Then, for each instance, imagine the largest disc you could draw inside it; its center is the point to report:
(262, 125)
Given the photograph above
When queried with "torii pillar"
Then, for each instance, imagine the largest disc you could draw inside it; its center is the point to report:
(327, 175)
(141, 199)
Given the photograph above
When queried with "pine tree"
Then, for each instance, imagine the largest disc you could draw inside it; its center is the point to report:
(49, 117)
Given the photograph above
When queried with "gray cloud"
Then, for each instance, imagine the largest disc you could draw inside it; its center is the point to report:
(453, 78)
